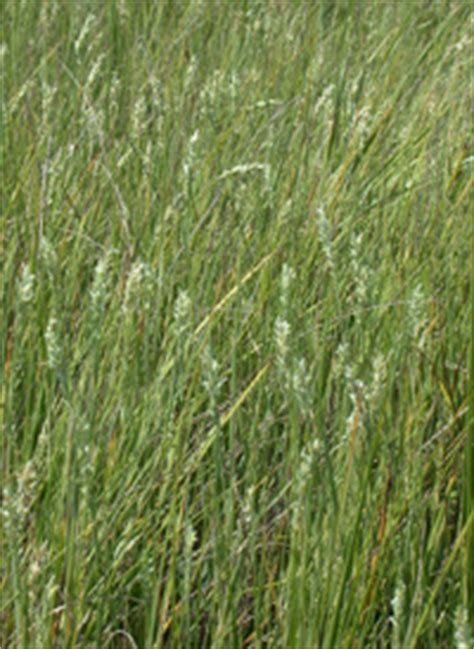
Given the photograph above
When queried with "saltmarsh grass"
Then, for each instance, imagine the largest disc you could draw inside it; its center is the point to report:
(236, 328)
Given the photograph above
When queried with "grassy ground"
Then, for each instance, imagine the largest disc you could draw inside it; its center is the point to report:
(236, 331)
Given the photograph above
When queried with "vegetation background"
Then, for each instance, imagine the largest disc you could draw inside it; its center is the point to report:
(237, 261)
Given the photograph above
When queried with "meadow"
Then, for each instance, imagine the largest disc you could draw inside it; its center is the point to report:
(236, 335)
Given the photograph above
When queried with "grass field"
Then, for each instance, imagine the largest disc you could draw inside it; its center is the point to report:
(237, 321)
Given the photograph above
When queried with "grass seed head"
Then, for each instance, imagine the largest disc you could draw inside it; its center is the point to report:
(53, 344)
(281, 335)
(398, 606)
(182, 312)
(325, 237)
(463, 636)
(26, 286)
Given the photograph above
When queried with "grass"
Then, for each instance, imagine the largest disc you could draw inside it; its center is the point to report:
(237, 324)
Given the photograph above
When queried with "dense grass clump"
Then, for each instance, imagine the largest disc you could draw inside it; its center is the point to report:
(236, 331)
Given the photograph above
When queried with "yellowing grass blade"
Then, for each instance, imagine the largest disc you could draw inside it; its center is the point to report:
(233, 291)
